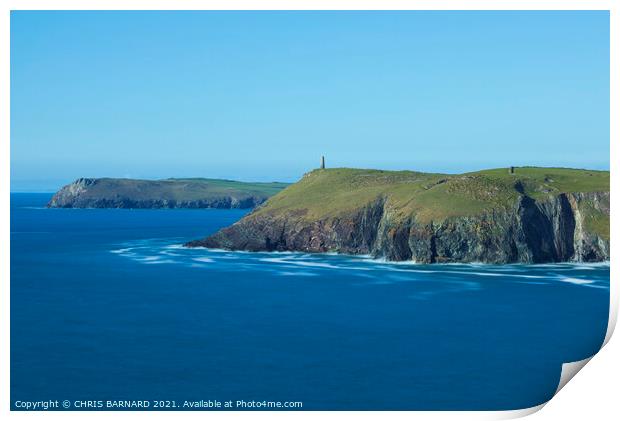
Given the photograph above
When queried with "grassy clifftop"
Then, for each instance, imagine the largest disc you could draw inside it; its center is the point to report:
(532, 216)
(429, 196)
(183, 189)
(169, 193)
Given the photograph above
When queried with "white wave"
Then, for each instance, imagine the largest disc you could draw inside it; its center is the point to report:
(590, 266)
(274, 259)
(356, 268)
(196, 265)
(462, 272)
(287, 263)
(149, 258)
(597, 286)
(311, 263)
(532, 283)
(175, 246)
(284, 260)
(478, 273)
(509, 275)
(366, 258)
(576, 281)
(228, 258)
(167, 253)
(158, 262)
(297, 273)
(121, 251)
(212, 250)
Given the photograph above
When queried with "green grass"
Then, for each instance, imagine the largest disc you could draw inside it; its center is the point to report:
(540, 181)
(428, 196)
(598, 223)
(180, 189)
(594, 220)
(269, 188)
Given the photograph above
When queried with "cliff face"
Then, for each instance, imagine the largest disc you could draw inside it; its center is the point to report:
(531, 232)
(555, 228)
(147, 194)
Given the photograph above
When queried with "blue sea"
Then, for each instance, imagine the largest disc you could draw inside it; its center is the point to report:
(106, 304)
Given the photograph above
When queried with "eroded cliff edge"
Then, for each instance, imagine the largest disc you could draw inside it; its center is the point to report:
(169, 193)
(535, 215)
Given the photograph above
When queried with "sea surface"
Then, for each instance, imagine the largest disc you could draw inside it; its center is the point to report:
(106, 304)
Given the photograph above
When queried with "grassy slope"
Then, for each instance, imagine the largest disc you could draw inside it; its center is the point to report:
(332, 192)
(180, 189)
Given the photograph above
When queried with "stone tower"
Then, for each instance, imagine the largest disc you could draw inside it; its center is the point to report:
(322, 162)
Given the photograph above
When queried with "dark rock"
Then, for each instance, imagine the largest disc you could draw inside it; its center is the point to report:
(532, 231)
(162, 194)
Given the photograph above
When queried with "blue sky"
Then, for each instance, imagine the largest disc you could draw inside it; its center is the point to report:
(261, 95)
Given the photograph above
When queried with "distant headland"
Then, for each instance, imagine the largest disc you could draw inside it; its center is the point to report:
(505, 215)
(168, 193)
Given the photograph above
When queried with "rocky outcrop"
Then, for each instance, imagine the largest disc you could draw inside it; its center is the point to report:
(155, 194)
(552, 229)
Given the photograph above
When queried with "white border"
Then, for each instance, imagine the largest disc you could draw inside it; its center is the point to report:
(573, 405)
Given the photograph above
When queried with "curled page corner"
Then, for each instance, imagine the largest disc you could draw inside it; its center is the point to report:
(517, 413)
(613, 317)
(569, 370)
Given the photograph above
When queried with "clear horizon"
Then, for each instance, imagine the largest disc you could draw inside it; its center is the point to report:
(260, 96)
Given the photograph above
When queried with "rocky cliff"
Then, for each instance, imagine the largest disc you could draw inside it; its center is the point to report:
(170, 193)
(533, 216)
